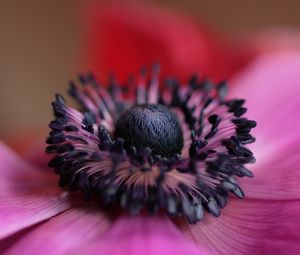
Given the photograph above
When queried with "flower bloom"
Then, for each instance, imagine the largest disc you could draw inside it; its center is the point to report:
(37, 217)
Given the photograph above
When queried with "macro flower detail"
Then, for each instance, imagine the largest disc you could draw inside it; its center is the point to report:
(177, 148)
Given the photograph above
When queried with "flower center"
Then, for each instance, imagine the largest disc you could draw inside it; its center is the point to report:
(130, 157)
(153, 126)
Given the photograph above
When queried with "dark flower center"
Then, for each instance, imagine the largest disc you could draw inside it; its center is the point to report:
(123, 149)
(153, 126)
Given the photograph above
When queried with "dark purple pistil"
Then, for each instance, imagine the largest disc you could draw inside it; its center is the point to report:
(153, 126)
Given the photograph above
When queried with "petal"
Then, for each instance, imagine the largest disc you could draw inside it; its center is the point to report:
(123, 38)
(249, 227)
(280, 247)
(271, 40)
(27, 195)
(30, 145)
(143, 235)
(267, 221)
(63, 234)
(271, 86)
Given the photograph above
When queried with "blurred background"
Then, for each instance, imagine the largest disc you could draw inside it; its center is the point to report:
(41, 42)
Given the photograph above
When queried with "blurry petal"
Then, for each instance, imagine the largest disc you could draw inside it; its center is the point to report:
(272, 41)
(63, 234)
(277, 177)
(249, 227)
(123, 38)
(27, 195)
(30, 145)
(271, 86)
(147, 235)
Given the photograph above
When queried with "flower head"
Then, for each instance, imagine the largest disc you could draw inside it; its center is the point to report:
(178, 148)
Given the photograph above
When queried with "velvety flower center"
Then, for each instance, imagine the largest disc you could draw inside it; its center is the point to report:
(153, 126)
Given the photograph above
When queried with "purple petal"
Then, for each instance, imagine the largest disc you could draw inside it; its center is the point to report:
(63, 234)
(271, 86)
(146, 235)
(249, 227)
(267, 221)
(27, 195)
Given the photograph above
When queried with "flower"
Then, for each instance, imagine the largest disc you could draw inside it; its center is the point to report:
(37, 217)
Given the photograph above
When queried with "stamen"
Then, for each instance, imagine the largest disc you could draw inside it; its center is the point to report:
(179, 149)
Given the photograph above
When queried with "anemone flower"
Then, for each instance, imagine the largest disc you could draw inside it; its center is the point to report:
(37, 217)
(182, 210)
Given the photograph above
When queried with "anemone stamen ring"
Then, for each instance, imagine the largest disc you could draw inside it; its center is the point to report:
(176, 148)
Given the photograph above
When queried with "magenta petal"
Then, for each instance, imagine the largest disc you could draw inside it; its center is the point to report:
(267, 221)
(63, 234)
(249, 227)
(27, 195)
(271, 86)
(280, 247)
(147, 235)
(277, 177)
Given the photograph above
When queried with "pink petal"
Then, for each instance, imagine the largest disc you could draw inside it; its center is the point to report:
(29, 144)
(271, 86)
(143, 235)
(27, 195)
(249, 227)
(267, 221)
(271, 40)
(63, 234)
(280, 247)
